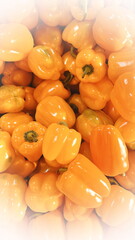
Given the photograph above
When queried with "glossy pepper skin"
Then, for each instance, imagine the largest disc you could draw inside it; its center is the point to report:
(72, 211)
(79, 34)
(11, 98)
(12, 202)
(48, 36)
(123, 96)
(63, 142)
(76, 103)
(87, 10)
(90, 66)
(9, 121)
(96, 95)
(128, 181)
(54, 13)
(12, 46)
(90, 228)
(45, 62)
(112, 155)
(89, 119)
(18, 77)
(121, 62)
(90, 183)
(111, 111)
(118, 207)
(21, 166)
(54, 109)
(27, 139)
(50, 88)
(42, 194)
(7, 154)
(112, 29)
(41, 226)
(127, 130)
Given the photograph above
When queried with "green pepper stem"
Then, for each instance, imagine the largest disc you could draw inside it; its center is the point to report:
(73, 52)
(68, 78)
(87, 70)
(62, 170)
(31, 136)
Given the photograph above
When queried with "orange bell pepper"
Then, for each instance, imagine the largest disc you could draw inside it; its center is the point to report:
(89, 119)
(30, 102)
(72, 212)
(23, 64)
(128, 180)
(45, 62)
(111, 111)
(108, 149)
(85, 150)
(79, 34)
(48, 36)
(50, 88)
(12, 202)
(9, 121)
(42, 194)
(41, 226)
(83, 183)
(90, 66)
(21, 166)
(7, 154)
(112, 29)
(85, 9)
(121, 62)
(127, 130)
(27, 139)
(64, 144)
(118, 207)
(76, 103)
(123, 96)
(54, 109)
(14, 47)
(18, 77)
(96, 95)
(89, 228)
(54, 13)
(11, 98)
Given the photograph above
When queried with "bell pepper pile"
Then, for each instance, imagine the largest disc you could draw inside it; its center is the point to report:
(67, 119)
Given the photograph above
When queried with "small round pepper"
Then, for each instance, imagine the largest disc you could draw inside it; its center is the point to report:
(14, 47)
(42, 194)
(90, 66)
(123, 96)
(108, 150)
(96, 95)
(45, 62)
(9, 121)
(54, 109)
(27, 139)
(64, 144)
(83, 183)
